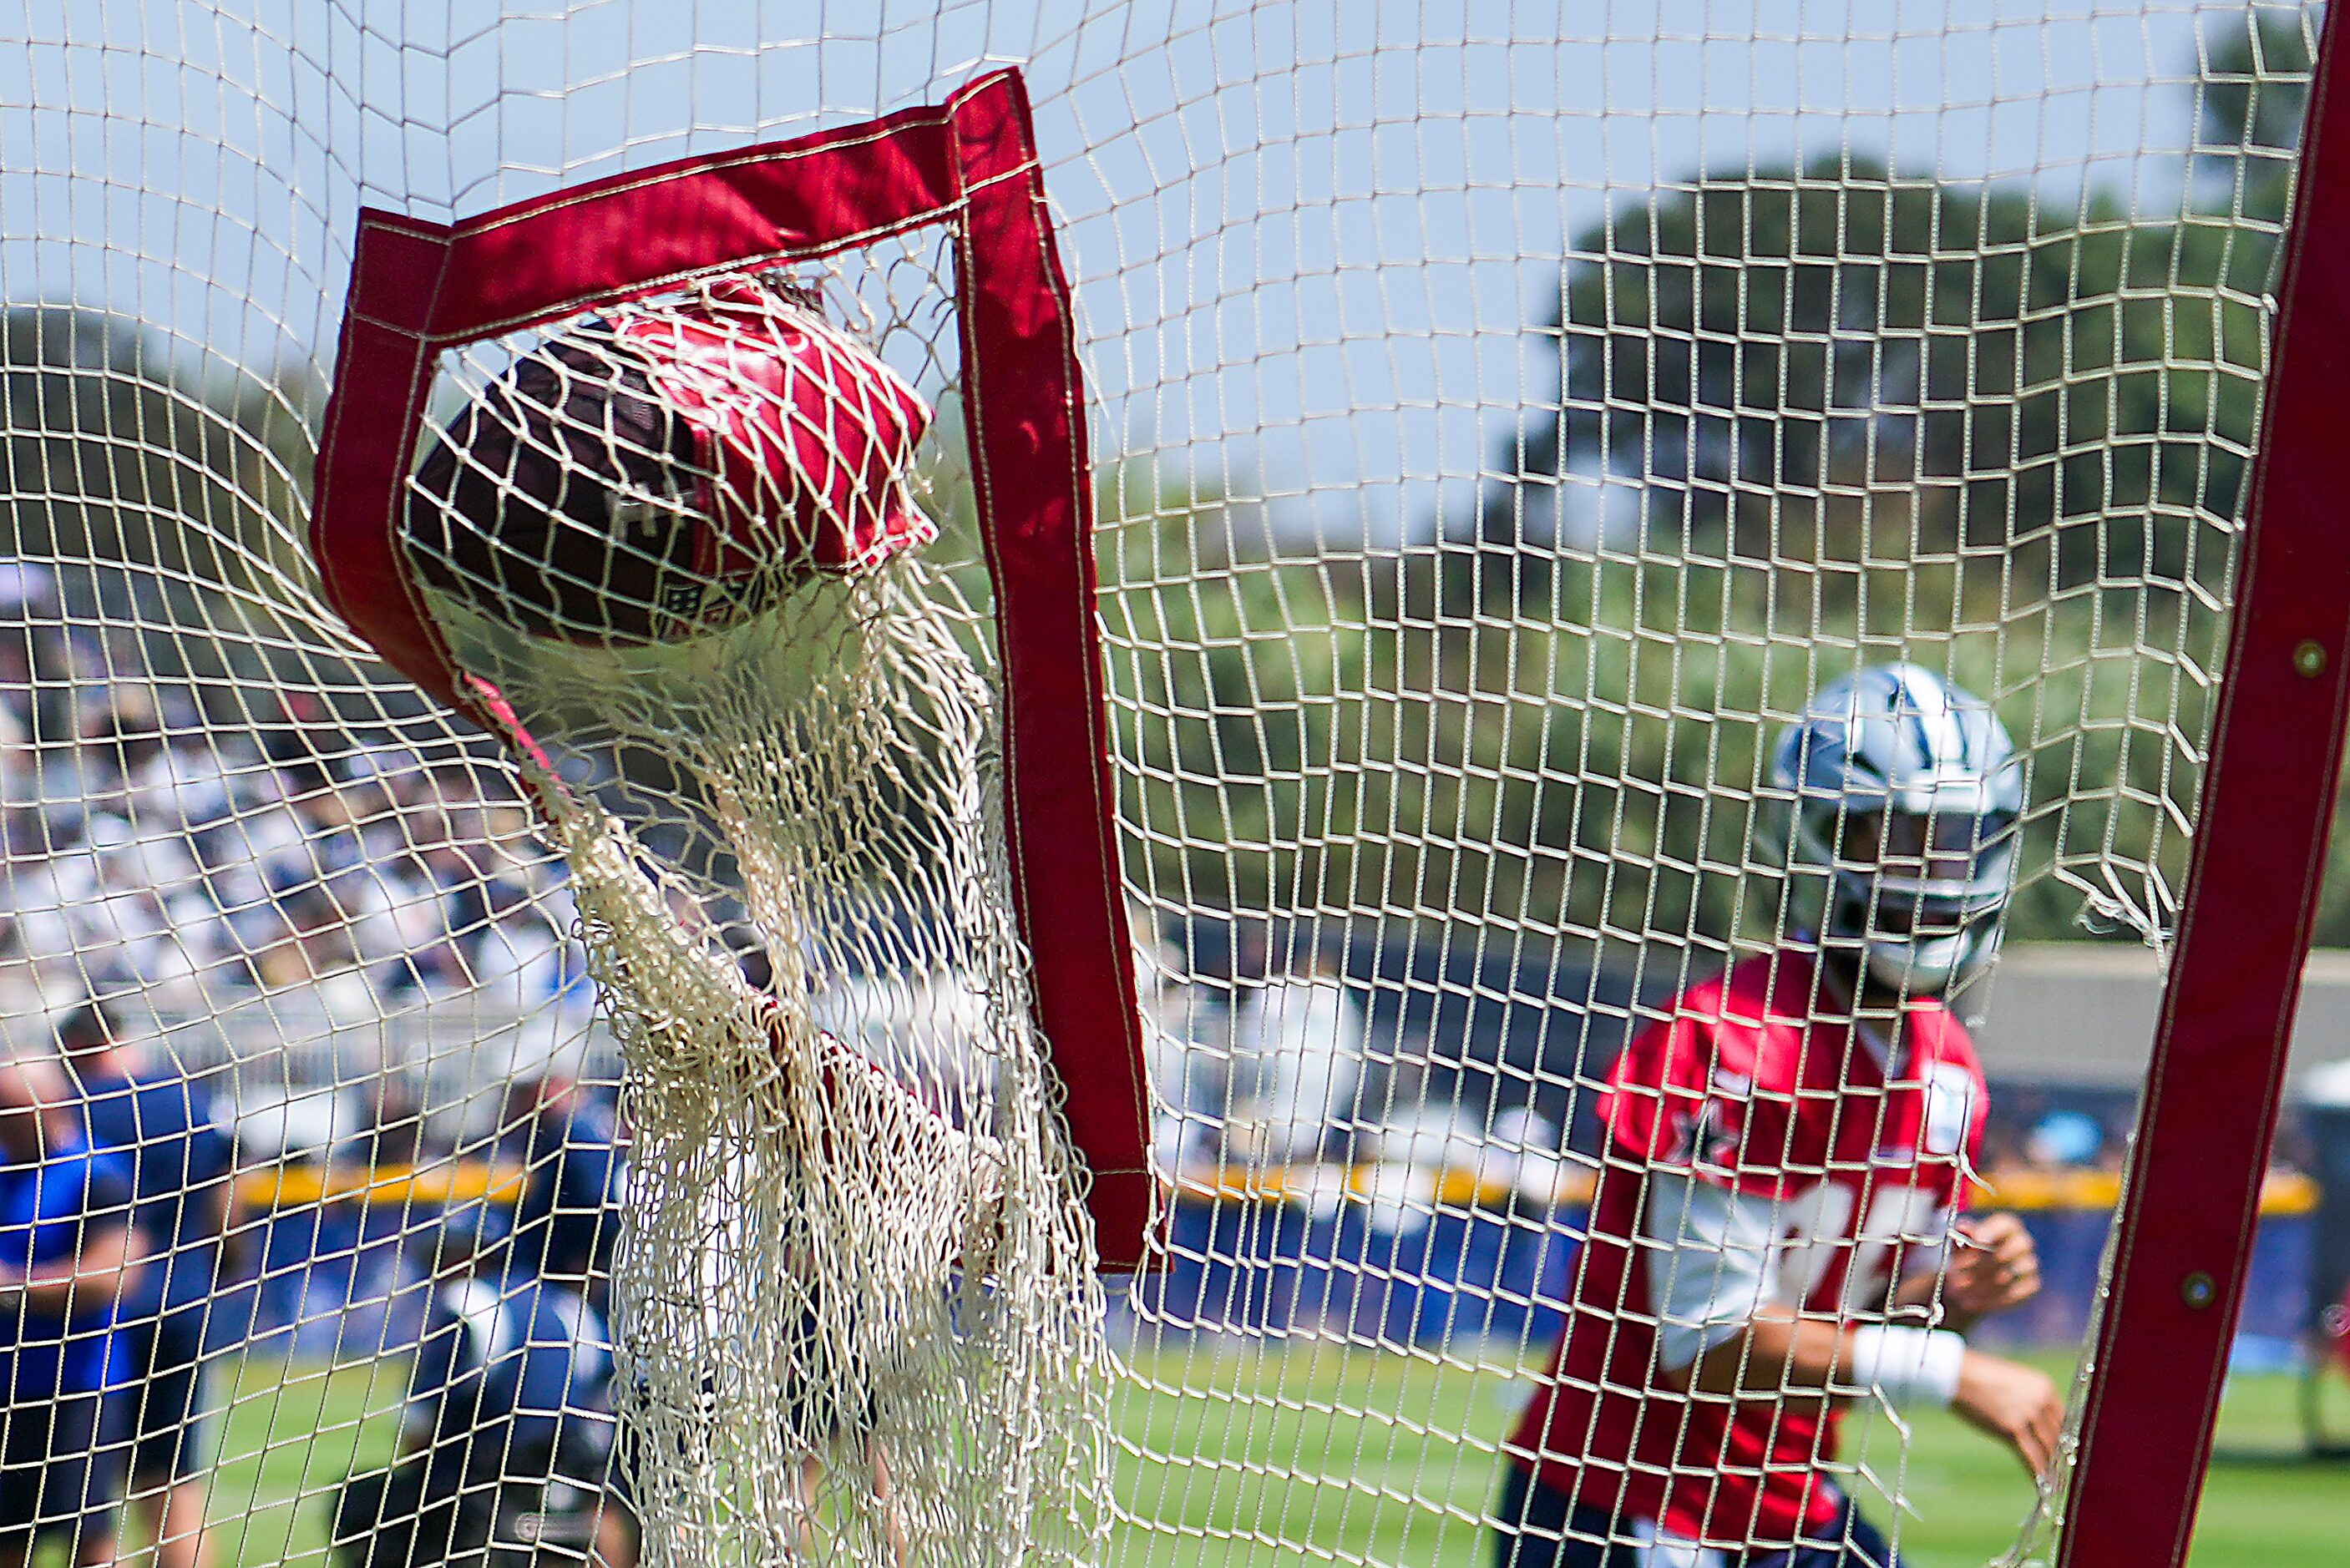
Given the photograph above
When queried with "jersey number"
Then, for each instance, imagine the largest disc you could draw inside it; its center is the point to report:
(1820, 1233)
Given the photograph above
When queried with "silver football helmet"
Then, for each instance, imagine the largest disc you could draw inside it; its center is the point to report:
(1903, 793)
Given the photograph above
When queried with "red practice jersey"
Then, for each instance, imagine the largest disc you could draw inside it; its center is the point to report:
(1748, 1087)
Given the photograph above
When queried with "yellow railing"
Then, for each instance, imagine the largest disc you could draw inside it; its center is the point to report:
(2285, 1193)
(439, 1183)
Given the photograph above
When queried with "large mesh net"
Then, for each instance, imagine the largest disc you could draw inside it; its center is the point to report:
(623, 1131)
(889, 1337)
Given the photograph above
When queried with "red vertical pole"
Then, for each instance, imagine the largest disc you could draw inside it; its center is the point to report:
(2212, 1095)
(1027, 424)
(969, 166)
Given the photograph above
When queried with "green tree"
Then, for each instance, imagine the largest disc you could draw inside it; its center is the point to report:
(2252, 99)
(173, 500)
(1602, 767)
(1240, 705)
(113, 453)
(1871, 416)
(1760, 355)
(2253, 75)
(1867, 414)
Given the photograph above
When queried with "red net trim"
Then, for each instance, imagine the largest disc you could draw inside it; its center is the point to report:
(419, 289)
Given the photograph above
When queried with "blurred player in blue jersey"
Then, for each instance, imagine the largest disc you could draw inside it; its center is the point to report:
(181, 1163)
(568, 1217)
(1775, 1234)
(68, 1252)
(507, 1437)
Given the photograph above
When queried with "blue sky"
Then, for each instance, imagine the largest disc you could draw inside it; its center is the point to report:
(1307, 233)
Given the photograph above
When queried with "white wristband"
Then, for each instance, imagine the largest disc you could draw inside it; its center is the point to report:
(1906, 1366)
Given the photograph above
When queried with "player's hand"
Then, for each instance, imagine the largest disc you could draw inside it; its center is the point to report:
(1993, 1267)
(2014, 1404)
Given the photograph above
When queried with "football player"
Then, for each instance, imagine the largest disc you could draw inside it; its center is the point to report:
(1774, 1234)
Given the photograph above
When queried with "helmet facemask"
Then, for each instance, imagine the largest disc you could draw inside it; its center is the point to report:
(1916, 894)
(1903, 798)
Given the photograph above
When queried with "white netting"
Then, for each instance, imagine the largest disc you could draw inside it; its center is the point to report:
(888, 1280)
(1506, 421)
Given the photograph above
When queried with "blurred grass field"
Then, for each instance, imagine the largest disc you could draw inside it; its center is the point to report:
(1312, 1476)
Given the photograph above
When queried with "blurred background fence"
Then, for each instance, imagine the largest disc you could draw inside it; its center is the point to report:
(1409, 1223)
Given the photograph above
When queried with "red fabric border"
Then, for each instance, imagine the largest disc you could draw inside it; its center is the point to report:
(1030, 452)
(417, 288)
(2210, 1107)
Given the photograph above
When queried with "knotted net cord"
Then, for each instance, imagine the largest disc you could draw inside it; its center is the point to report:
(857, 1312)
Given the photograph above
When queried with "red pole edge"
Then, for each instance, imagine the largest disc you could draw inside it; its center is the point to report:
(1033, 470)
(419, 289)
(2213, 1089)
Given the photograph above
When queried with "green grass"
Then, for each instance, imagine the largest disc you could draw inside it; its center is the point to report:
(1304, 1473)
(2262, 1508)
(1309, 1476)
(293, 1433)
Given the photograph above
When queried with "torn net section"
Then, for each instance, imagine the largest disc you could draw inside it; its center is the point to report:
(855, 1304)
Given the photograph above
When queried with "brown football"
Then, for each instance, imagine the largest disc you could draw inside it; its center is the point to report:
(563, 500)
